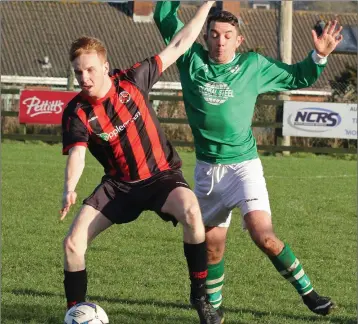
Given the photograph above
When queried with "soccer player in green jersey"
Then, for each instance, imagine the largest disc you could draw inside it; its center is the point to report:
(220, 88)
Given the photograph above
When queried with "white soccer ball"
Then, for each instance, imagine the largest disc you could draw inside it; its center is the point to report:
(86, 313)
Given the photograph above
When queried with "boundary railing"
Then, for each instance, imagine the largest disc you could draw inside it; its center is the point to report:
(24, 136)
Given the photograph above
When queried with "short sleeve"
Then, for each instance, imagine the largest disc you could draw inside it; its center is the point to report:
(74, 132)
(146, 73)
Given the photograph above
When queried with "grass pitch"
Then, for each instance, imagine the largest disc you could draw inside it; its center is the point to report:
(137, 272)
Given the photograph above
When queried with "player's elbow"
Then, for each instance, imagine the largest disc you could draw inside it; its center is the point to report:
(180, 47)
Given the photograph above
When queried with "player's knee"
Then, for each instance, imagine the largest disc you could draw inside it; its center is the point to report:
(72, 247)
(215, 254)
(270, 244)
(191, 216)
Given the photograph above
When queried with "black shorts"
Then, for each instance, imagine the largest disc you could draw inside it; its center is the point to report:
(123, 202)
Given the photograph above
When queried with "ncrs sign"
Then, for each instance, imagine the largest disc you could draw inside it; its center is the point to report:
(320, 119)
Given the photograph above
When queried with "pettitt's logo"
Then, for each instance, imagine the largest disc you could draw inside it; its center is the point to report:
(35, 106)
(124, 97)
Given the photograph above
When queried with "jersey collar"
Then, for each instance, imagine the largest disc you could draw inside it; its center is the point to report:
(212, 61)
(98, 101)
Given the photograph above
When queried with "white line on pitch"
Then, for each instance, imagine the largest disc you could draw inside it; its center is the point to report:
(313, 177)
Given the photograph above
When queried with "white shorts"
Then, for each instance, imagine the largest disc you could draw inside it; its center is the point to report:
(220, 188)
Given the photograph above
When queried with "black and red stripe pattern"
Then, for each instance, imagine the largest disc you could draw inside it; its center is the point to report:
(122, 130)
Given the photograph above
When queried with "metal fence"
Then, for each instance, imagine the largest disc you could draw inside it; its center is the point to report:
(10, 104)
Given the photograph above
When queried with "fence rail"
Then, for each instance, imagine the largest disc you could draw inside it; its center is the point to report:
(263, 148)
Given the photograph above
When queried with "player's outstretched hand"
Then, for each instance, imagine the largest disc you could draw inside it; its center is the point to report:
(326, 40)
(68, 199)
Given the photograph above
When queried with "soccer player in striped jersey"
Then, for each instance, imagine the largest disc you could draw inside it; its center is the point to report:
(220, 88)
(112, 117)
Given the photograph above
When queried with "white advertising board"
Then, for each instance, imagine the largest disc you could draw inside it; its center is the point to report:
(320, 119)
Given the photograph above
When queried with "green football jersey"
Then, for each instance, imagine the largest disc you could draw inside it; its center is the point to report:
(220, 98)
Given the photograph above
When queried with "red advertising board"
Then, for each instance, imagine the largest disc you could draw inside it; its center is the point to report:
(43, 107)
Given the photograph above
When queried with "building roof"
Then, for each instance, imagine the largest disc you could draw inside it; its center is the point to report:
(33, 30)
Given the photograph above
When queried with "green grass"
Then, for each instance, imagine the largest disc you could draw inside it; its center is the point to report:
(137, 272)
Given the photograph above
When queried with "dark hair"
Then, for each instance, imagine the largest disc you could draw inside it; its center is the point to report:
(223, 16)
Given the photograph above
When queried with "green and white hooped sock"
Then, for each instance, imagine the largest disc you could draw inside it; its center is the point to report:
(291, 269)
(214, 283)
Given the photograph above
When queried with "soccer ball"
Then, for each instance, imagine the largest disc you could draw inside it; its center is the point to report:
(86, 313)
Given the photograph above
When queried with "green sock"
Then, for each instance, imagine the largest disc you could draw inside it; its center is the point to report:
(291, 269)
(214, 283)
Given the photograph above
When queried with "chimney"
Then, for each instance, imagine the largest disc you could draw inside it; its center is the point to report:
(142, 11)
(231, 6)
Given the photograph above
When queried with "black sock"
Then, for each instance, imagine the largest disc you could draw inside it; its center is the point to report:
(198, 267)
(75, 287)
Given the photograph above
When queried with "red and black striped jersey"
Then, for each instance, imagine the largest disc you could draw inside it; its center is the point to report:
(122, 130)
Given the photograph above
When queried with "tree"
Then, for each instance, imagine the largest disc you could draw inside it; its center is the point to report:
(345, 91)
(345, 86)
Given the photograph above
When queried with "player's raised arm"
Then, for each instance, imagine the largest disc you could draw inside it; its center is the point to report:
(277, 76)
(185, 37)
